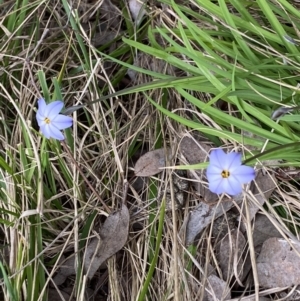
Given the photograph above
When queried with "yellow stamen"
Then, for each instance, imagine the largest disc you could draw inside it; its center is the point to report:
(225, 174)
(47, 120)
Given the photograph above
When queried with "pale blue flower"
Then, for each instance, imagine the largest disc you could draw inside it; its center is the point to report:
(50, 121)
(226, 174)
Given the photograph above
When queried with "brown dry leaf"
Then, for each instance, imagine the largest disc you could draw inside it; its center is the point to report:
(278, 264)
(229, 255)
(113, 236)
(102, 38)
(67, 268)
(202, 216)
(216, 289)
(223, 225)
(152, 162)
(194, 151)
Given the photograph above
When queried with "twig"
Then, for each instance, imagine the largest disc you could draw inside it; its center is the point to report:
(125, 191)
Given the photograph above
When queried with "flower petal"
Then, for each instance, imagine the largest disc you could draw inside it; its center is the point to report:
(244, 174)
(212, 177)
(53, 109)
(56, 133)
(45, 131)
(232, 160)
(217, 157)
(232, 186)
(238, 173)
(62, 122)
(216, 185)
(39, 118)
(50, 131)
(42, 105)
(220, 185)
(213, 170)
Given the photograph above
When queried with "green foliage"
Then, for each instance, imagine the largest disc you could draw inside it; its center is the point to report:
(237, 63)
(252, 69)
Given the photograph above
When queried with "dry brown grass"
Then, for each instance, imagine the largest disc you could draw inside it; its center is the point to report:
(104, 133)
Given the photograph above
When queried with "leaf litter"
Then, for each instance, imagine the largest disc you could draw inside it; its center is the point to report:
(111, 239)
(232, 257)
(208, 209)
(152, 162)
(275, 268)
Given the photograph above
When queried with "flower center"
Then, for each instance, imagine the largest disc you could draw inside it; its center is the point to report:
(225, 174)
(47, 120)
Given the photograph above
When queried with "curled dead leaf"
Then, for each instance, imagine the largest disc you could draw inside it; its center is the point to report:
(113, 236)
(194, 151)
(202, 216)
(152, 162)
(67, 268)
